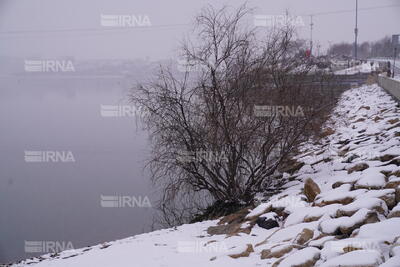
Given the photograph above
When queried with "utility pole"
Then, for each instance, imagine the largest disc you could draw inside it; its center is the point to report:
(311, 32)
(394, 61)
(356, 32)
(395, 44)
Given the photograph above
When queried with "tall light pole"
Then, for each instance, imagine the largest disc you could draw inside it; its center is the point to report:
(356, 32)
(395, 44)
(394, 61)
(311, 37)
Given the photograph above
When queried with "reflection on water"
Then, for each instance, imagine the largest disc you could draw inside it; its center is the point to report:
(57, 200)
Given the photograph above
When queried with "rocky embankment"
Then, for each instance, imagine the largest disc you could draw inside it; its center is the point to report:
(341, 208)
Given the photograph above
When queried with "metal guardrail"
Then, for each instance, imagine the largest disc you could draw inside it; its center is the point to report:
(392, 86)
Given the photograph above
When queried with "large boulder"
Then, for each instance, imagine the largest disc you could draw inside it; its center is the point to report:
(372, 203)
(388, 195)
(227, 229)
(345, 225)
(385, 157)
(311, 189)
(277, 252)
(395, 212)
(370, 217)
(371, 179)
(341, 195)
(249, 249)
(306, 257)
(326, 132)
(232, 224)
(386, 230)
(304, 236)
(292, 166)
(237, 217)
(397, 194)
(267, 223)
(357, 168)
(359, 258)
(393, 184)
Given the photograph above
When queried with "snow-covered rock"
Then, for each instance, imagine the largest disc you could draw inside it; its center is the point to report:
(305, 257)
(359, 258)
(386, 230)
(345, 225)
(375, 204)
(392, 262)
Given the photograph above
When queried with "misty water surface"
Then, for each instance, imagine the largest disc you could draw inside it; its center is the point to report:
(58, 201)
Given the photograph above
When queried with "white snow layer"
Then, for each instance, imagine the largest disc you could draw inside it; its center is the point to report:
(365, 130)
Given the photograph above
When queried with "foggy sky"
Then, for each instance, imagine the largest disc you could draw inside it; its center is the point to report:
(22, 23)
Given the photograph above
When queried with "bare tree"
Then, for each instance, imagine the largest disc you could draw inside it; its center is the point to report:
(219, 133)
(341, 49)
(380, 48)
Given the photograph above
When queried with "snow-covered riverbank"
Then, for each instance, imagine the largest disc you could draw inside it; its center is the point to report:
(341, 208)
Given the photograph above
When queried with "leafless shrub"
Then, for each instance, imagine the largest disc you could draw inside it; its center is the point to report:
(248, 105)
